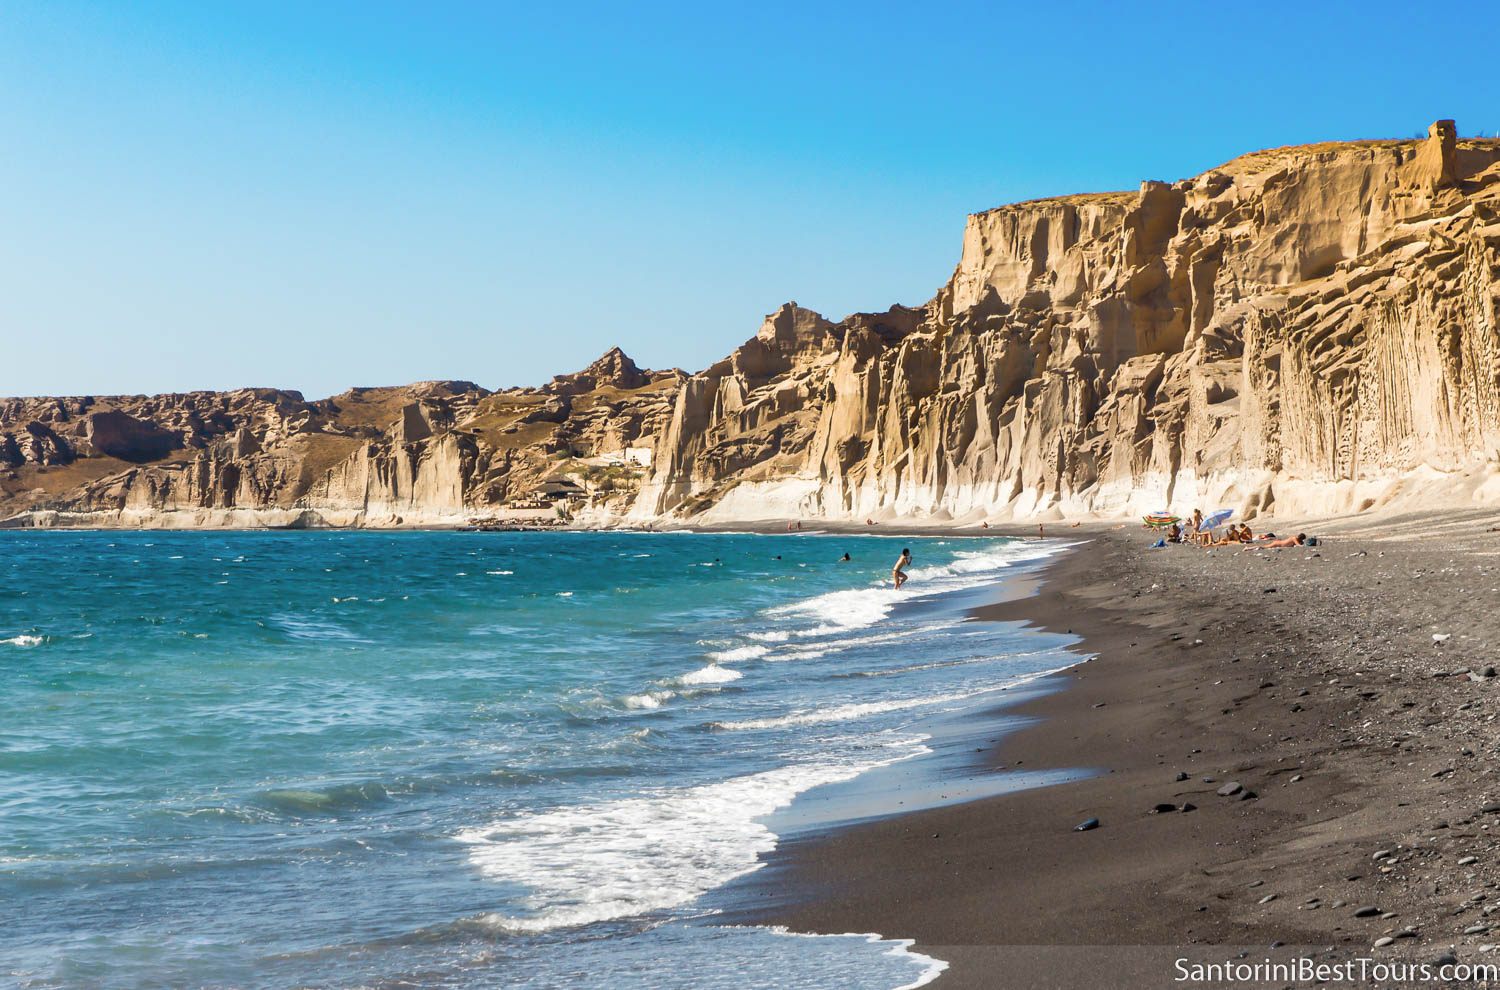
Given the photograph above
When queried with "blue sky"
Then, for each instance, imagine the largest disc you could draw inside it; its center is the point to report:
(320, 195)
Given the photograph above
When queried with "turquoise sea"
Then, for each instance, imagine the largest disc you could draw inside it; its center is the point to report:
(358, 759)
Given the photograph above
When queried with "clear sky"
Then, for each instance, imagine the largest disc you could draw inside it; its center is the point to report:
(318, 195)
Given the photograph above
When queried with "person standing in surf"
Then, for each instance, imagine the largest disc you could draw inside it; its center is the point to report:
(898, 573)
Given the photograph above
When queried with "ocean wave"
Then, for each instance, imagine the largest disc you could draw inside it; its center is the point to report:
(843, 713)
(738, 653)
(854, 710)
(649, 700)
(296, 802)
(712, 674)
(658, 851)
(936, 665)
(25, 640)
(823, 649)
(839, 611)
(305, 628)
(932, 967)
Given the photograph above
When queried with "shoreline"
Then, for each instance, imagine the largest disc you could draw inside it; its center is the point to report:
(1221, 665)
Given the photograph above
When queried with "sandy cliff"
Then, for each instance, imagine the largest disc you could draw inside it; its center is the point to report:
(429, 454)
(1306, 329)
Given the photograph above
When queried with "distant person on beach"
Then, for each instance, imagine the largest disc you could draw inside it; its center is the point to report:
(898, 573)
(1039, 533)
(1281, 544)
(844, 558)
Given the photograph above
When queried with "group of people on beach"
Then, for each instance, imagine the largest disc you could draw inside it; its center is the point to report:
(1196, 534)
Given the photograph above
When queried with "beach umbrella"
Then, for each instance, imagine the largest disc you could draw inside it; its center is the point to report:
(1217, 519)
(1160, 520)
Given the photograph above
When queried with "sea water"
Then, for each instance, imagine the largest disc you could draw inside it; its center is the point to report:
(454, 759)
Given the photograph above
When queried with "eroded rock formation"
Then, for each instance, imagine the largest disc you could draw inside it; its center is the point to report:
(1306, 329)
(1310, 328)
(433, 453)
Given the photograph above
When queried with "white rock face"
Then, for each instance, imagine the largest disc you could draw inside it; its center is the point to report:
(1309, 329)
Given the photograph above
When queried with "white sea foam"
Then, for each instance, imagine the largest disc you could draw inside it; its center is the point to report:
(653, 852)
(651, 699)
(565, 594)
(840, 611)
(24, 640)
(774, 636)
(712, 674)
(823, 649)
(843, 713)
(739, 653)
(932, 967)
(929, 666)
(499, 572)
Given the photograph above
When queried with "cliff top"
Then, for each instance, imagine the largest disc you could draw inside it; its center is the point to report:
(1247, 164)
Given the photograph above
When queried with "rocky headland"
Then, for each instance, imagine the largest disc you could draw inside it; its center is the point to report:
(1307, 329)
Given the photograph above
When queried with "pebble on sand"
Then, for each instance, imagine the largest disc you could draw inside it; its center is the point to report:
(1085, 826)
(1369, 911)
(1231, 788)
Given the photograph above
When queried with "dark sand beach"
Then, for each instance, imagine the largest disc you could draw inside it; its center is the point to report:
(1363, 749)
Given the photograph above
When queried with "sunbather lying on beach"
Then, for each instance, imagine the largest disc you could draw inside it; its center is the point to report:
(1290, 541)
(1231, 536)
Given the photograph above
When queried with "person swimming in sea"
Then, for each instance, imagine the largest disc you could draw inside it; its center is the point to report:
(898, 573)
(844, 558)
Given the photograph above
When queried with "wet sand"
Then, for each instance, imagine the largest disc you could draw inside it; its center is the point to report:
(1309, 677)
